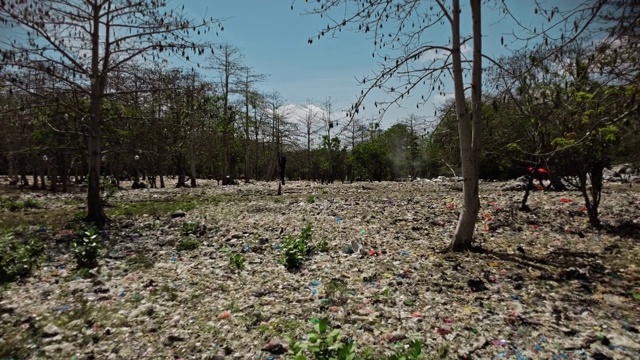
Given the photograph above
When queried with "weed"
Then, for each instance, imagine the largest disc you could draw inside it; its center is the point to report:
(323, 344)
(189, 228)
(108, 190)
(187, 244)
(311, 199)
(17, 205)
(31, 204)
(296, 248)
(414, 352)
(86, 249)
(18, 256)
(322, 245)
(236, 260)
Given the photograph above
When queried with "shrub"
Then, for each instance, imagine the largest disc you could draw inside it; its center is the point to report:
(187, 244)
(18, 256)
(190, 228)
(17, 205)
(296, 248)
(236, 260)
(323, 344)
(86, 249)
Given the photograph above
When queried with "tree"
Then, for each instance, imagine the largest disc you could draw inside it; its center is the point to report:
(82, 43)
(309, 129)
(249, 78)
(408, 61)
(233, 80)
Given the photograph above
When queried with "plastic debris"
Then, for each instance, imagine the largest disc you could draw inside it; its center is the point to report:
(224, 315)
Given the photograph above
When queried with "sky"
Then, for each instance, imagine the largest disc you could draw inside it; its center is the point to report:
(273, 39)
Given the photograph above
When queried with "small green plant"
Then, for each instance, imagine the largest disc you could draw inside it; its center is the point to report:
(31, 204)
(311, 199)
(187, 244)
(17, 205)
(236, 260)
(323, 344)
(86, 249)
(296, 248)
(189, 228)
(18, 256)
(414, 352)
(108, 189)
(322, 245)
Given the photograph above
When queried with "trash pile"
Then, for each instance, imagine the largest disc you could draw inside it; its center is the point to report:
(210, 283)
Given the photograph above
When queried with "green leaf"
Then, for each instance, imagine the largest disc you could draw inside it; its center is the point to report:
(322, 325)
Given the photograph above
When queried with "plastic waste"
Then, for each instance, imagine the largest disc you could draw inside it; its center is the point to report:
(62, 308)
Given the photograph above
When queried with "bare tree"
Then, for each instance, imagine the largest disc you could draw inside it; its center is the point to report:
(228, 63)
(82, 42)
(411, 63)
(308, 123)
(246, 88)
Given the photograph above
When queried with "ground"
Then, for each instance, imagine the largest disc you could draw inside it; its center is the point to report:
(541, 284)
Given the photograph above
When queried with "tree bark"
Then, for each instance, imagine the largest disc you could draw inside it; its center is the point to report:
(95, 212)
(469, 127)
(283, 164)
(192, 164)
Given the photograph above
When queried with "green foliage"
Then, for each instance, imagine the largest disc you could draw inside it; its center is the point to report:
(296, 248)
(414, 352)
(326, 344)
(236, 260)
(108, 190)
(189, 228)
(322, 245)
(187, 245)
(86, 249)
(323, 344)
(311, 199)
(18, 256)
(17, 205)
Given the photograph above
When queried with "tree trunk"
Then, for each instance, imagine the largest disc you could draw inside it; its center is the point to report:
(592, 203)
(35, 180)
(283, 164)
(469, 127)
(180, 171)
(161, 182)
(65, 173)
(192, 164)
(95, 212)
(54, 178)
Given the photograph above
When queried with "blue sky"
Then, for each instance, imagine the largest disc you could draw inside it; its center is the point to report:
(273, 39)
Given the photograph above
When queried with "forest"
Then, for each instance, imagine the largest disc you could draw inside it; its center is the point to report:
(155, 202)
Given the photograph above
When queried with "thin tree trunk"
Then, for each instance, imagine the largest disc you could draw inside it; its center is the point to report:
(161, 182)
(192, 164)
(35, 180)
(54, 179)
(469, 127)
(95, 212)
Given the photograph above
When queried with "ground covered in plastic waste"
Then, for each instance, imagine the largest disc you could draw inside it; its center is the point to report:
(195, 274)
